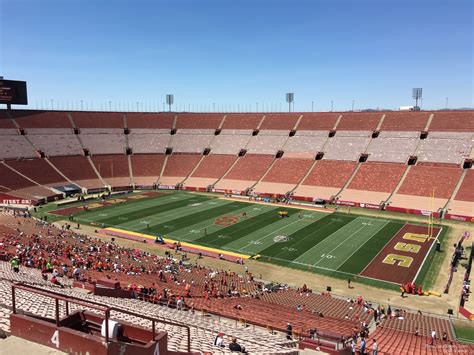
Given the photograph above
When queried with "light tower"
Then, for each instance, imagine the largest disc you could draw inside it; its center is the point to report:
(169, 100)
(290, 98)
(417, 94)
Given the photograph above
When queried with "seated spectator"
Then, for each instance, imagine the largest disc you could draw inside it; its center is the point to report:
(234, 346)
(219, 340)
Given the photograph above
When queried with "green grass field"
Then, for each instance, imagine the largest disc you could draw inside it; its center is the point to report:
(335, 244)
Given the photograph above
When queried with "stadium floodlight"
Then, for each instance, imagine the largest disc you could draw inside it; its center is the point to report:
(290, 99)
(417, 94)
(169, 100)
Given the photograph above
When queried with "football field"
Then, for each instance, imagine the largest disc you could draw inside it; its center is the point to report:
(332, 243)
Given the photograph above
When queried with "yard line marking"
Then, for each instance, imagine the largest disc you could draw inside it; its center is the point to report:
(337, 246)
(373, 234)
(259, 239)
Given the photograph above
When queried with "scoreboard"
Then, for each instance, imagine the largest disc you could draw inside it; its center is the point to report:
(13, 92)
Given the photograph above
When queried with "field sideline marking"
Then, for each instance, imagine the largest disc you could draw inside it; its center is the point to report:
(327, 269)
(427, 253)
(302, 207)
(185, 244)
(383, 225)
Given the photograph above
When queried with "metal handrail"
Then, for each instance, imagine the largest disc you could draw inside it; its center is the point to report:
(94, 305)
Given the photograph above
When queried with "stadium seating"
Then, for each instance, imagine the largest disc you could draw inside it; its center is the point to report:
(199, 120)
(267, 142)
(38, 170)
(428, 186)
(318, 121)
(445, 147)
(113, 169)
(453, 121)
(463, 202)
(280, 121)
(305, 144)
(326, 179)
(146, 168)
(191, 140)
(77, 169)
(103, 141)
(15, 146)
(150, 120)
(178, 167)
(242, 121)
(17, 185)
(347, 145)
(41, 119)
(373, 182)
(230, 141)
(405, 121)
(212, 168)
(98, 119)
(147, 141)
(393, 146)
(360, 121)
(55, 141)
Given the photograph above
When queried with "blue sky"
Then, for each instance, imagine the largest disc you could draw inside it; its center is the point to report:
(239, 52)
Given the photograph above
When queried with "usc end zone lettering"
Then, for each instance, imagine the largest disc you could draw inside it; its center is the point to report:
(404, 260)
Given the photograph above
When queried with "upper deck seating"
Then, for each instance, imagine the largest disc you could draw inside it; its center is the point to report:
(305, 144)
(230, 141)
(191, 140)
(381, 177)
(214, 166)
(346, 146)
(15, 146)
(452, 121)
(5, 121)
(393, 146)
(288, 170)
(360, 121)
(199, 120)
(100, 141)
(55, 141)
(150, 120)
(267, 142)
(324, 121)
(405, 121)
(251, 167)
(149, 140)
(98, 119)
(41, 119)
(38, 170)
(445, 147)
(280, 121)
(242, 121)
(426, 179)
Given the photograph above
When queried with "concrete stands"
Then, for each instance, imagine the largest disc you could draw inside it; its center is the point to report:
(38, 170)
(147, 121)
(463, 202)
(148, 141)
(324, 121)
(212, 168)
(191, 140)
(77, 169)
(267, 142)
(453, 121)
(242, 121)
(102, 120)
(445, 147)
(14, 146)
(230, 141)
(393, 146)
(347, 145)
(305, 144)
(326, 179)
(373, 183)
(199, 120)
(103, 141)
(405, 121)
(113, 169)
(360, 121)
(178, 167)
(147, 168)
(55, 141)
(280, 121)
